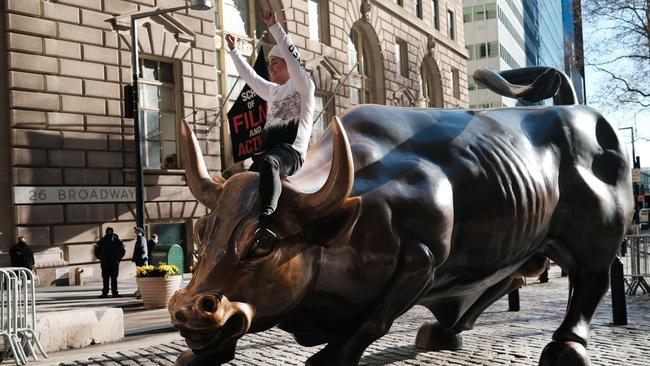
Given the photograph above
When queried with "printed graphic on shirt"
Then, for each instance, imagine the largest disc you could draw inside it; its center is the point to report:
(285, 110)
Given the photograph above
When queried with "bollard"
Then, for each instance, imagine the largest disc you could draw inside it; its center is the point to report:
(78, 276)
(543, 278)
(513, 300)
(619, 310)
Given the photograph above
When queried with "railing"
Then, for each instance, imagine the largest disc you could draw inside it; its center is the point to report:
(635, 254)
(18, 315)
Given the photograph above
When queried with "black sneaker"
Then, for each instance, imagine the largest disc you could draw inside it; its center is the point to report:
(102, 296)
(263, 244)
(117, 295)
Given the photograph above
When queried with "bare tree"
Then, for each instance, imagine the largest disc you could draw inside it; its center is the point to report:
(619, 47)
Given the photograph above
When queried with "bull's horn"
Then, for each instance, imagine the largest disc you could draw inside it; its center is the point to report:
(338, 185)
(203, 187)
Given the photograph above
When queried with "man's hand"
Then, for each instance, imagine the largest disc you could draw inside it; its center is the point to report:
(230, 40)
(269, 17)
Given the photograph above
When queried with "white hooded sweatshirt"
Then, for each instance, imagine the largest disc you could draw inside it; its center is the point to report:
(291, 105)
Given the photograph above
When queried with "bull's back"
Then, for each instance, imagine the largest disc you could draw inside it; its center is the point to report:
(503, 165)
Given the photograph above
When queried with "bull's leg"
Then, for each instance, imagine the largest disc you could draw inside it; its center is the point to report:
(586, 290)
(434, 336)
(414, 277)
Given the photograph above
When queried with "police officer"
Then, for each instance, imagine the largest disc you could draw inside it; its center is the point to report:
(110, 251)
(21, 254)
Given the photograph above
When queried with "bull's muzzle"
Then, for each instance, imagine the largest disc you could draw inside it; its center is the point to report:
(209, 319)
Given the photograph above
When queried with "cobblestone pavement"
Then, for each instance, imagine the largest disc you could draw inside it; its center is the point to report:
(499, 338)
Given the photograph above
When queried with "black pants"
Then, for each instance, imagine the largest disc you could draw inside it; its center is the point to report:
(273, 165)
(110, 272)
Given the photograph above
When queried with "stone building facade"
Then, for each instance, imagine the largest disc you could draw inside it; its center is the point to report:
(67, 161)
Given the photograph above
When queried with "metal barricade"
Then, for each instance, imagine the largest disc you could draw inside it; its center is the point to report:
(18, 315)
(636, 262)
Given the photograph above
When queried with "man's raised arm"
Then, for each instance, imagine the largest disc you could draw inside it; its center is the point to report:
(261, 86)
(290, 54)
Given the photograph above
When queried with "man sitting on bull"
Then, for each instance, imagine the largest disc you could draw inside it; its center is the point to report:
(290, 96)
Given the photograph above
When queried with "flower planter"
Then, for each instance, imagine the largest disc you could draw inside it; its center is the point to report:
(156, 291)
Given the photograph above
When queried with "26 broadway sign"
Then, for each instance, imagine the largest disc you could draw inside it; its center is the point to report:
(27, 195)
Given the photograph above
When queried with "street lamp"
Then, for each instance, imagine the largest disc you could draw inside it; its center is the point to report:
(139, 179)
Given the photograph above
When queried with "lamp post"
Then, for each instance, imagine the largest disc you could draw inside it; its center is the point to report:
(635, 165)
(139, 179)
(633, 152)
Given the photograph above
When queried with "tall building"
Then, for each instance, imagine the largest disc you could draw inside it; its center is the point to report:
(522, 33)
(494, 35)
(573, 47)
(67, 161)
(544, 35)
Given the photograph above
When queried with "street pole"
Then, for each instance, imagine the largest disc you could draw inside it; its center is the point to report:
(135, 65)
(139, 175)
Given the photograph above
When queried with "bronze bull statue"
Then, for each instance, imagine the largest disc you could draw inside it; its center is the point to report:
(399, 207)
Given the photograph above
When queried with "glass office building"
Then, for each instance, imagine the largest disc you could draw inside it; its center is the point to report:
(508, 34)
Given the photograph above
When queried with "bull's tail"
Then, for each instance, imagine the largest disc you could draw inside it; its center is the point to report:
(529, 84)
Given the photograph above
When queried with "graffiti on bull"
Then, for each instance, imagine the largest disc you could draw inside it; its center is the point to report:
(399, 207)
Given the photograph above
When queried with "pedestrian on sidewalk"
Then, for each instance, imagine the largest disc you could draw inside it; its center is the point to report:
(153, 241)
(140, 253)
(290, 95)
(21, 255)
(110, 251)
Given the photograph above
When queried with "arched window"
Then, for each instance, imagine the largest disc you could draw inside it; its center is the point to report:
(431, 83)
(362, 81)
(242, 18)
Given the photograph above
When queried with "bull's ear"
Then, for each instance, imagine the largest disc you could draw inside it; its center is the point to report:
(336, 229)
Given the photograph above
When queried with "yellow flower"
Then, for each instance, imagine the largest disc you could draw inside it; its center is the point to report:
(162, 270)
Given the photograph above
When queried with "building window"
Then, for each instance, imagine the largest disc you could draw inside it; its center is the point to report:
(455, 77)
(467, 14)
(398, 2)
(236, 17)
(479, 12)
(242, 18)
(471, 84)
(323, 121)
(318, 21)
(482, 50)
(451, 27)
(158, 114)
(435, 17)
(490, 11)
(361, 83)
(401, 58)
(471, 50)
(417, 4)
(431, 83)
(493, 49)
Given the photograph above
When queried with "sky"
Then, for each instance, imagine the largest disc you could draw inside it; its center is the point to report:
(626, 117)
(630, 117)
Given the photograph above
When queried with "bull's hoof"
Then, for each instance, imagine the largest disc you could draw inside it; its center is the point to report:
(332, 356)
(564, 354)
(309, 340)
(189, 358)
(434, 337)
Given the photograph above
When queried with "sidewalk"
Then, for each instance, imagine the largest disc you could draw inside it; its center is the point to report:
(137, 319)
(142, 327)
(499, 338)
